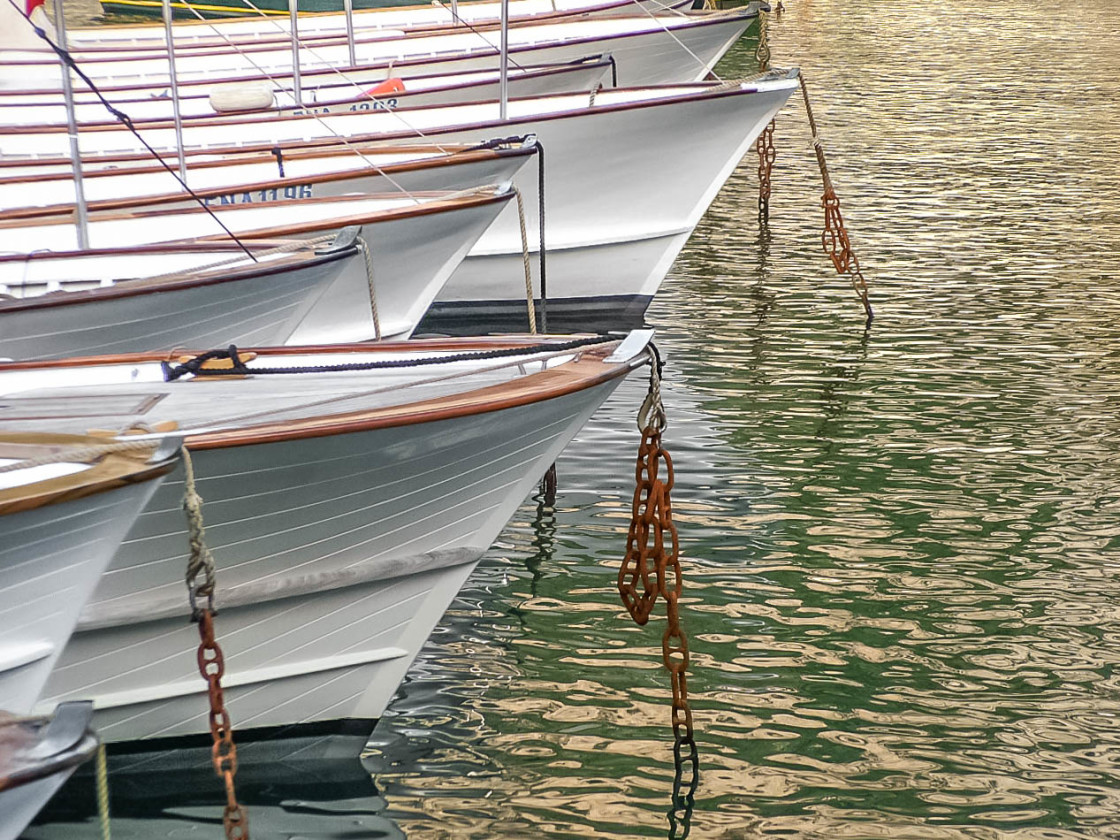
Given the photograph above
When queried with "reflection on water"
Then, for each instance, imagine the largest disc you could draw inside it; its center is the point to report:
(900, 548)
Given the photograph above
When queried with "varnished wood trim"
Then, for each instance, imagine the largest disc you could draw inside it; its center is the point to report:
(588, 372)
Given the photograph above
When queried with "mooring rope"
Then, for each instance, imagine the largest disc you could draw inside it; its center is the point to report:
(82, 454)
(363, 246)
(101, 771)
(200, 559)
(525, 260)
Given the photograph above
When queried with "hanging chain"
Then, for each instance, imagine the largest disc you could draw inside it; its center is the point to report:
(223, 753)
(656, 570)
(211, 663)
(765, 143)
(766, 156)
(834, 238)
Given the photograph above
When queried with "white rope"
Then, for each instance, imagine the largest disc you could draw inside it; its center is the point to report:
(82, 454)
(528, 268)
(363, 246)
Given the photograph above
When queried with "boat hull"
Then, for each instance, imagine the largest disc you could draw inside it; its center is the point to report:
(50, 561)
(260, 307)
(645, 53)
(336, 556)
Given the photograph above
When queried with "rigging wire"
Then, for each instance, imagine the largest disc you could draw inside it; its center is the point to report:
(69, 64)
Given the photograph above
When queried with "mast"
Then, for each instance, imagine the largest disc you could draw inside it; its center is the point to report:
(72, 129)
(348, 6)
(293, 14)
(169, 36)
(504, 86)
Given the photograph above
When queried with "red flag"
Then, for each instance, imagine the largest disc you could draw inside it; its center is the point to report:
(32, 5)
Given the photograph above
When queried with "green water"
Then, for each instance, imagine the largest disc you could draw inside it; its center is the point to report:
(901, 546)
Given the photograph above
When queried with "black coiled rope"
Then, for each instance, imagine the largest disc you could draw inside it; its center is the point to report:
(196, 365)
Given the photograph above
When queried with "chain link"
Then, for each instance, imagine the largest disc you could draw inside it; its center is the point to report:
(765, 143)
(652, 568)
(834, 237)
(223, 752)
(766, 157)
(211, 663)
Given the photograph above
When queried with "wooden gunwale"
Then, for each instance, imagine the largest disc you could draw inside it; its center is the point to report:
(715, 91)
(455, 156)
(307, 76)
(109, 204)
(587, 372)
(113, 470)
(196, 278)
(287, 231)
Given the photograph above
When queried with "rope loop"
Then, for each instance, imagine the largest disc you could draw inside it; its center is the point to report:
(200, 560)
(652, 413)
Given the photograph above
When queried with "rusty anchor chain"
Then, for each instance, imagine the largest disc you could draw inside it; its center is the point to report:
(211, 663)
(652, 568)
(834, 238)
(767, 154)
(765, 143)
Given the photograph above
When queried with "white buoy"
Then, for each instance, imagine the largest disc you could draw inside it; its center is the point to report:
(242, 98)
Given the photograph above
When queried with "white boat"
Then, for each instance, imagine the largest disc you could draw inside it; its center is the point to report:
(316, 26)
(414, 242)
(628, 176)
(36, 756)
(61, 522)
(328, 96)
(344, 509)
(66, 502)
(334, 171)
(38, 188)
(647, 49)
(158, 297)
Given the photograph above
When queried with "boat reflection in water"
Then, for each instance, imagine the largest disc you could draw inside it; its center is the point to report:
(320, 800)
